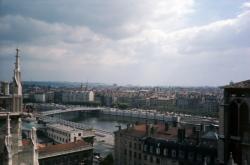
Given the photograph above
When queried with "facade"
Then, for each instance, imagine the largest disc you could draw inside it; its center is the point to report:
(235, 123)
(65, 134)
(77, 96)
(39, 97)
(5, 88)
(160, 144)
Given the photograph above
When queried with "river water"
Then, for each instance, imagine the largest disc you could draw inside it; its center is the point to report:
(103, 145)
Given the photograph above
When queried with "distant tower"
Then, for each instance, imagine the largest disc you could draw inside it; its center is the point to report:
(17, 86)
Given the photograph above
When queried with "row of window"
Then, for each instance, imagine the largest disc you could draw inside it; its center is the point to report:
(59, 132)
(64, 140)
(173, 153)
(139, 156)
(136, 146)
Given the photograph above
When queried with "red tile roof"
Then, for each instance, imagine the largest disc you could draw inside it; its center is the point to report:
(159, 131)
(62, 147)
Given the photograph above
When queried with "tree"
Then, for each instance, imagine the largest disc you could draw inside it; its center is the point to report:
(108, 160)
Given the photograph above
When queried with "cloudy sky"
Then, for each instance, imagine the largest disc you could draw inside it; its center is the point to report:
(140, 42)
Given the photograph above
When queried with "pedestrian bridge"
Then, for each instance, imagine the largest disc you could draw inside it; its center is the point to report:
(75, 109)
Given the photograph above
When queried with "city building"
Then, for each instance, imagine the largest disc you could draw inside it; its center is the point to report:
(66, 134)
(161, 144)
(77, 96)
(235, 124)
(39, 97)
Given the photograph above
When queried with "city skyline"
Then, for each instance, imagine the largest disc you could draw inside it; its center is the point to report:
(177, 43)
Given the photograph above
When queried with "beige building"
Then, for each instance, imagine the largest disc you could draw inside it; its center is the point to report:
(78, 96)
(65, 134)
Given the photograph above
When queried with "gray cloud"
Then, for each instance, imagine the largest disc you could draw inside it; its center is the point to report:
(122, 42)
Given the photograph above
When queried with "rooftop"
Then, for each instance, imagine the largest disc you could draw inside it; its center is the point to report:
(63, 128)
(242, 84)
(61, 149)
(159, 131)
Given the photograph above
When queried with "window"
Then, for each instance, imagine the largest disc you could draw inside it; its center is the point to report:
(151, 149)
(125, 151)
(79, 134)
(135, 146)
(165, 152)
(191, 156)
(130, 144)
(199, 157)
(139, 156)
(157, 160)
(130, 153)
(145, 157)
(158, 151)
(173, 153)
(181, 154)
(135, 154)
(151, 159)
(139, 146)
(145, 148)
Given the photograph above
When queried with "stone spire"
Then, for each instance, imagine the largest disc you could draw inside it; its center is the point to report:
(17, 76)
(205, 161)
(8, 142)
(34, 143)
(231, 160)
(19, 133)
(17, 60)
(8, 125)
(17, 86)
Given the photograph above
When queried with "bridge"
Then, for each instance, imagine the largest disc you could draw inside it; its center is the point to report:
(75, 109)
(81, 126)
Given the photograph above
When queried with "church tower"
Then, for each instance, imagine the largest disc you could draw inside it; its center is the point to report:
(235, 124)
(17, 86)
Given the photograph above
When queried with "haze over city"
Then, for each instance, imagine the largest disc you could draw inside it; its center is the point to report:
(174, 42)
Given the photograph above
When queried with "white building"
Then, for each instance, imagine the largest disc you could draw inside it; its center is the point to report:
(77, 96)
(65, 134)
(39, 97)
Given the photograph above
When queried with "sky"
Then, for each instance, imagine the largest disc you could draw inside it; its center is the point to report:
(139, 42)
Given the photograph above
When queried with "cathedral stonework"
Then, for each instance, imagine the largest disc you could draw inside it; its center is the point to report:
(12, 150)
(235, 124)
